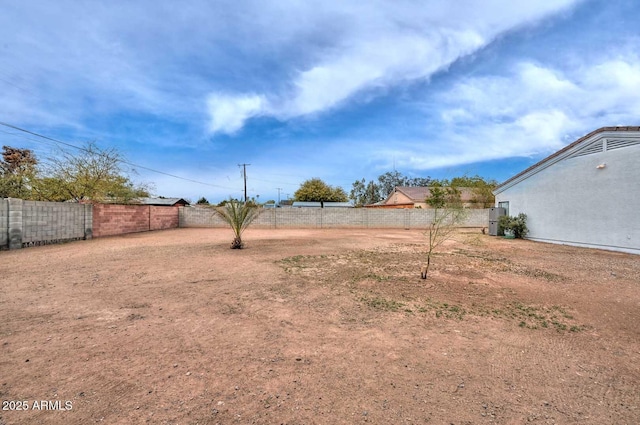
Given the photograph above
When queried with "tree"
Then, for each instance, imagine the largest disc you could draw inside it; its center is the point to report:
(202, 201)
(93, 175)
(482, 189)
(388, 181)
(17, 173)
(448, 213)
(316, 190)
(420, 181)
(239, 216)
(363, 193)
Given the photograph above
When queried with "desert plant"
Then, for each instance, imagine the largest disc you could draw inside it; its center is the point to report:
(518, 225)
(239, 216)
(448, 213)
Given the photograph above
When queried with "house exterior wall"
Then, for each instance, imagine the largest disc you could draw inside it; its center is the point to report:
(399, 198)
(390, 206)
(573, 202)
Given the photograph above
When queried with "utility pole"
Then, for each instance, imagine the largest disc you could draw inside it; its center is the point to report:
(244, 174)
(279, 189)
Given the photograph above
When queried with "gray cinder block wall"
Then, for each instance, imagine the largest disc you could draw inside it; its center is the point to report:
(325, 218)
(34, 222)
(15, 223)
(4, 223)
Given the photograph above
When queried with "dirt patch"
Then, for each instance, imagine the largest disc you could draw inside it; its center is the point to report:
(318, 326)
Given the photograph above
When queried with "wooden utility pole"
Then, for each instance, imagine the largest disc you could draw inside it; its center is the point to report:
(244, 174)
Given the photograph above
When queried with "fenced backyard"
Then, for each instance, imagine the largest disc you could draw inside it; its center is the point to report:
(28, 223)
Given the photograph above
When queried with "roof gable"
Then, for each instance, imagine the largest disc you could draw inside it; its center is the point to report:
(586, 145)
(421, 193)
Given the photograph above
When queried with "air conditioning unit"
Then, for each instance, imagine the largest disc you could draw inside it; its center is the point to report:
(494, 215)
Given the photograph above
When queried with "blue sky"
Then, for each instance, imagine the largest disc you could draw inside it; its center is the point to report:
(330, 89)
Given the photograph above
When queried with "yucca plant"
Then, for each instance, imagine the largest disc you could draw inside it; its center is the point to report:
(239, 216)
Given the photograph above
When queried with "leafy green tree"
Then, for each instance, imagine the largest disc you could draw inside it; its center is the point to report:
(226, 201)
(419, 181)
(316, 190)
(92, 175)
(238, 216)
(448, 213)
(18, 173)
(482, 189)
(363, 193)
(202, 201)
(388, 181)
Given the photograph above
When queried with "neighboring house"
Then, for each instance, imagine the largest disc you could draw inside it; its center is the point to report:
(162, 202)
(587, 194)
(416, 197)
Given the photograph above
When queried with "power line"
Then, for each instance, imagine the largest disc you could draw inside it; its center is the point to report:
(119, 160)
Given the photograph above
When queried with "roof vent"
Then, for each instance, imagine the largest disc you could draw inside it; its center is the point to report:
(617, 144)
(595, 147)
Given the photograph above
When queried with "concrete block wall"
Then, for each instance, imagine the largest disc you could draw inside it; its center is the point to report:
(24, 223)
(111, 219)
(52, 221)
(15, 223)
(199, 217)
(4, 223)
(27, 223)
(332, 218)
(477, 218)
(164, 218)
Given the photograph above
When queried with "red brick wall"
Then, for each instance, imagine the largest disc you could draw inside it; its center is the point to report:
(164, 218)
(110, 219)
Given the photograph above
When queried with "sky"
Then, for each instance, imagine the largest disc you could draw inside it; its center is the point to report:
(338, 90)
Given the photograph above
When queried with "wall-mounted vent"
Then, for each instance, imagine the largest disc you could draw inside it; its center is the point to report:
(617, 144)
(588, 150)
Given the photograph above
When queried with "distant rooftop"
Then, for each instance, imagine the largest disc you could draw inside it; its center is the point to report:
(162, 201)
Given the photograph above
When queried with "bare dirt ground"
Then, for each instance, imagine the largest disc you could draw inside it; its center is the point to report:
(318, 327)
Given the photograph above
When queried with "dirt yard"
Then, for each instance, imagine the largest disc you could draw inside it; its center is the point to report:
(318, 327)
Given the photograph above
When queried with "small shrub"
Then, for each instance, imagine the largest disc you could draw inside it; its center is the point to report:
(516, 224)
(238, 216)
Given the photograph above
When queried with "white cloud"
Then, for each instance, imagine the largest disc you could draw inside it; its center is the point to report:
(228, 113)
(382, 45)
(534, 110)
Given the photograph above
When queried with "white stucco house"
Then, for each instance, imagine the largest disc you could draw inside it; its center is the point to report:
(587, 194)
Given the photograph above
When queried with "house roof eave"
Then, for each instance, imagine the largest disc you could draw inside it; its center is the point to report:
(562, 154)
